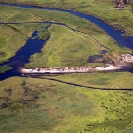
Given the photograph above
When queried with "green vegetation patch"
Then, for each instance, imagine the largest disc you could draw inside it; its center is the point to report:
(3, 48)
(66, 47)
(114, 80)
(4, 69)
(114, 111)
(18, 34)
(43, 32)
(39, 105)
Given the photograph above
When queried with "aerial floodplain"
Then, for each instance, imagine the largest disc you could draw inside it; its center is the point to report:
(66, 66)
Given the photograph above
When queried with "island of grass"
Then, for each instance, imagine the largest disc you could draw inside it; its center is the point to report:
(3, 69)
(69, 48)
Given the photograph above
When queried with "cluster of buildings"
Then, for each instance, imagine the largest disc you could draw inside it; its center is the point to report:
(121, 3)
(125, 58)
(57, 70)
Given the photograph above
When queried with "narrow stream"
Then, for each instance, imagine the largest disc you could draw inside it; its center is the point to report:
(34, 46)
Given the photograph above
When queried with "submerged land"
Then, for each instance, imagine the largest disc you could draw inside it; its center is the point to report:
(55, 103)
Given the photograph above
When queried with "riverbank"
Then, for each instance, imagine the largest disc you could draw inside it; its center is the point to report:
(104, 10)
(13, 38)
(80, 25)
(75, 23)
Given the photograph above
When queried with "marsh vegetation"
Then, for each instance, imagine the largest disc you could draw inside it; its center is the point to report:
(43, 105)
(36, 105)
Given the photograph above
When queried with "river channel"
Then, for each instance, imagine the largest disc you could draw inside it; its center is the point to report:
(23, 55)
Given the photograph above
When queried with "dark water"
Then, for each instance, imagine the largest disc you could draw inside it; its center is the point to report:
(22, 56)
(33, 46)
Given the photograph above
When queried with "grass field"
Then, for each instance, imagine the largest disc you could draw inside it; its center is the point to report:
(33, 105)
(65, 48)
(18, 34)
(103, 9)
(114, 80)
(68, 48)
(38, 105)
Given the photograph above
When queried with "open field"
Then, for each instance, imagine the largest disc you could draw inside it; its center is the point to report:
(38, 105)
(69, 48)
(34, 105)
(73, 49)
(80, 48)
(103, 9)
(65, 48)
(114, 80)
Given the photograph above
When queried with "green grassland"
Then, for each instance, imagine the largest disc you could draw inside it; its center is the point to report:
(65, 48)
(114, 80)
(68, 48)
(39, 105)
(120, 19)
(42, 105)
(89, 42)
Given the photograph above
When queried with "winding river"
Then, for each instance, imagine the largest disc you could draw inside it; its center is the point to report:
(22, 55)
